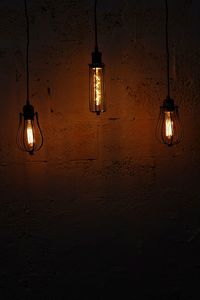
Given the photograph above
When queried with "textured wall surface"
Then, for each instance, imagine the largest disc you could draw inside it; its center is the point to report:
(103, 210)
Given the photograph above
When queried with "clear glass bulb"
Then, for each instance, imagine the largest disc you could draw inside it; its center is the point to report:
(168, 130)
(29, 137)
(97, 93)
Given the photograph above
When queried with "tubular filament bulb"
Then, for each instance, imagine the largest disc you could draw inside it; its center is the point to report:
(97, 86)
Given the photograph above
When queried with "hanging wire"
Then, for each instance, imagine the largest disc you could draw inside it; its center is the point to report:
(95, 24)
(27, 51)
(167, 45)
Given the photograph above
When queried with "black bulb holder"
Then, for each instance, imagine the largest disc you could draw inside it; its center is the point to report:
(96, 59)
(28, 112)
(168, 104)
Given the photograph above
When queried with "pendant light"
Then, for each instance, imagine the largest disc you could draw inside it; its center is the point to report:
(168, 129)
(29, 137)
(97, 75)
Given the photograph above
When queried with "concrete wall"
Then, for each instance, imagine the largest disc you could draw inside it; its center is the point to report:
(103, 209)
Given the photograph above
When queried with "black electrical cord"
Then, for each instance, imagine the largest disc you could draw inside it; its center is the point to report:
(27, 51)
(167, 46)
(95, 25)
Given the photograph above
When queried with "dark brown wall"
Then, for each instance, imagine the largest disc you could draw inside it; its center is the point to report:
(103, 209)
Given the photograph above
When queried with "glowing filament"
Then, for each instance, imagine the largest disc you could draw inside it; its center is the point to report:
(97, 86)
(29, 132)
(168, 125)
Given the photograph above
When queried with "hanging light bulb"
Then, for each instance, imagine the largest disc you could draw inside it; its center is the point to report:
(96, 77)
(29, 136)
(168, 129)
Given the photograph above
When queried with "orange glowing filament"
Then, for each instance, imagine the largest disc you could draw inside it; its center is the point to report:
(29, 132)
(168, 125)
(97, 86)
